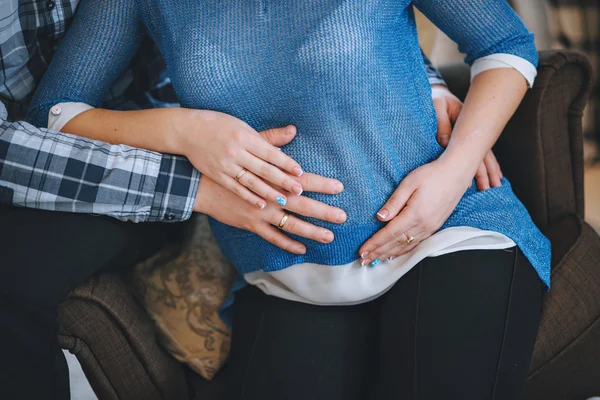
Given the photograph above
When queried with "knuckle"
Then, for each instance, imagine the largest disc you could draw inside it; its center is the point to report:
(303, 205)
(394, 203)
(419, 218)
(237, 136)
(291, 224)
(287, 246)
(264, 170)
(231, 151)
(271, 155)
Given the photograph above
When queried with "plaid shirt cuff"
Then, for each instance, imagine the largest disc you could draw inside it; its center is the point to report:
(437, 81)
(434, 76)
(176, 189)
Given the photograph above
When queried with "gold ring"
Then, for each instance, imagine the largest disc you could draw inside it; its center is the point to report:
(239, 175)
(409, 239)
(283, 220)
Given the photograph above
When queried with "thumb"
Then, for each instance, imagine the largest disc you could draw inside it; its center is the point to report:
(279, 136)
(397, 201)
(444, 123)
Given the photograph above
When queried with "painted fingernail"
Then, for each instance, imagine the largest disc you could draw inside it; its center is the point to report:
(383, 213)
(364, 254)
(261, 204)
(375, 262)
(297, 190)
(297, 171)
(281, 201)
(364, 263)
(341, 217)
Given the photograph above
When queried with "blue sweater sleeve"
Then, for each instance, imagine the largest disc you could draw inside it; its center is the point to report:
(101, 41)
(481, 27)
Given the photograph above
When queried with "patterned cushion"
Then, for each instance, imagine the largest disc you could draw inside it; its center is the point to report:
(182, 288)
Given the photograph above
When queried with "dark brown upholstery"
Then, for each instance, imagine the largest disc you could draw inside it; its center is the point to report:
(540, 152)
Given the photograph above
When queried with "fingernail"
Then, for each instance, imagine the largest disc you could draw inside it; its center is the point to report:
(391, 258)
(364, 254)
(300, 250)
(364, 263)
(339, 187)
(297, 190)
(383, 213)
(375, 262)
(260, 204)
(281, 201)
(297, 171)
(327, 237)
(341, 217)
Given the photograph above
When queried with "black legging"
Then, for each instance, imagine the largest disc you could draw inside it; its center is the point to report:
(459, 326)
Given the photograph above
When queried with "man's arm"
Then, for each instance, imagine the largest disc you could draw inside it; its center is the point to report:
(54, 171)
(435, 78)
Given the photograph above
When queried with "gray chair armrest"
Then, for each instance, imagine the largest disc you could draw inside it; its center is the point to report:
(115, 342)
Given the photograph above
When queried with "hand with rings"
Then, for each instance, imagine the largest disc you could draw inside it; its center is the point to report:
(242, 160)
(272, 222)
(418, 208)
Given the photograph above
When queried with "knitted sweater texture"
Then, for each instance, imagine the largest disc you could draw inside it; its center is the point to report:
(348, 73)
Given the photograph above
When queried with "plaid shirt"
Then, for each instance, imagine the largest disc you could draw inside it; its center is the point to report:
(55, 171)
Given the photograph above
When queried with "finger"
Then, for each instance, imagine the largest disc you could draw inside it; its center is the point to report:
(481, 177)
(319, 184)
(279, 239)
(397, 201)
(273, 155)
(259, 187)
(443, 122)
(384, 251)
(241, 191)
(399, 250)
(272, 174)
(279, 136)
(301, 228)
(307, 207)
(454, 108)
(493, 168)
(392, 232)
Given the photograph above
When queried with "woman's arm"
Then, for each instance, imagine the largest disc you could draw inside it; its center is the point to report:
(493, 98)
(482, 29)
(100, 43)
(217, 144)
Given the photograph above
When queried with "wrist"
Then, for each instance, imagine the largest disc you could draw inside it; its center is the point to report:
(181, 123)
(201, 202)
(463, 166)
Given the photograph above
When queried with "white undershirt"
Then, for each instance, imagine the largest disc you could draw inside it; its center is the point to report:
(352, 283)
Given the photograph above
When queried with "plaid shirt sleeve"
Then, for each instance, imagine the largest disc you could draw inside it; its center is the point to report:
(435, 78)
(48, 170)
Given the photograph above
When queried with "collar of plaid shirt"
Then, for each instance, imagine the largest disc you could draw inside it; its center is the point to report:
(30, 30)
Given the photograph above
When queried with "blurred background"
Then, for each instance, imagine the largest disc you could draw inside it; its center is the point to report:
(570, 24)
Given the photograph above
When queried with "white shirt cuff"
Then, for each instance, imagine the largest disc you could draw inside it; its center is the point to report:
(62, 113)
(502, 60)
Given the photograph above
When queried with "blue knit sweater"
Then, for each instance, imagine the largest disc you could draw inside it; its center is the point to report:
(348, 73)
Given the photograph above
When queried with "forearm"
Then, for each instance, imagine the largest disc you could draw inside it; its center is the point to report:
(48, 170)
(491, 101)
(155, 129)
